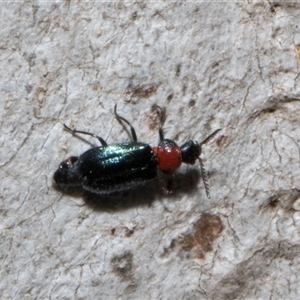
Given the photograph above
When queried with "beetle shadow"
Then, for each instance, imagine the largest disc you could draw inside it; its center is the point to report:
(76, 191)
(168, 186)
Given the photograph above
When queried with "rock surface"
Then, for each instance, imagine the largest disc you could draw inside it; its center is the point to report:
(233, 66)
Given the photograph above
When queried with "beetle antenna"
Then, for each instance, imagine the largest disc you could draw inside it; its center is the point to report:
(203, 172)
(204, 177)
(210, 136)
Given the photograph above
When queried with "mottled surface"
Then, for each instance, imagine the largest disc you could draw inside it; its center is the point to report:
(212, 65)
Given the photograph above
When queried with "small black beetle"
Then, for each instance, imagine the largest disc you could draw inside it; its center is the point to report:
(119, 167)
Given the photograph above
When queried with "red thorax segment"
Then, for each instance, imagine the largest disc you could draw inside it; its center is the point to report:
(168, 155)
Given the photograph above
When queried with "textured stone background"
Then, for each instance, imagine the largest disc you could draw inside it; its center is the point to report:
(233, 66)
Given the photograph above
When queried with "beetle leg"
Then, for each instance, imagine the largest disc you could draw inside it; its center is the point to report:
(162, 177)
(121, 120)
(162, 118)
(74, 131)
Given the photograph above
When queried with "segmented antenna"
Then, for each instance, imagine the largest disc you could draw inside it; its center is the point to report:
(209, 137)
(203, 172)
(204, 177)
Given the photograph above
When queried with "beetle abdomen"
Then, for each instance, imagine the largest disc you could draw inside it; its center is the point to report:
(115, 168)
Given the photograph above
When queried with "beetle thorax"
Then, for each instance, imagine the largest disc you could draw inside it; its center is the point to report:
(169, 155)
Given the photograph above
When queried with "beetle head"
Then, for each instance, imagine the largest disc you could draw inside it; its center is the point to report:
(190, 152)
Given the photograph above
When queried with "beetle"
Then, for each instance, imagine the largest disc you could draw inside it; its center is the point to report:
(110, 169)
